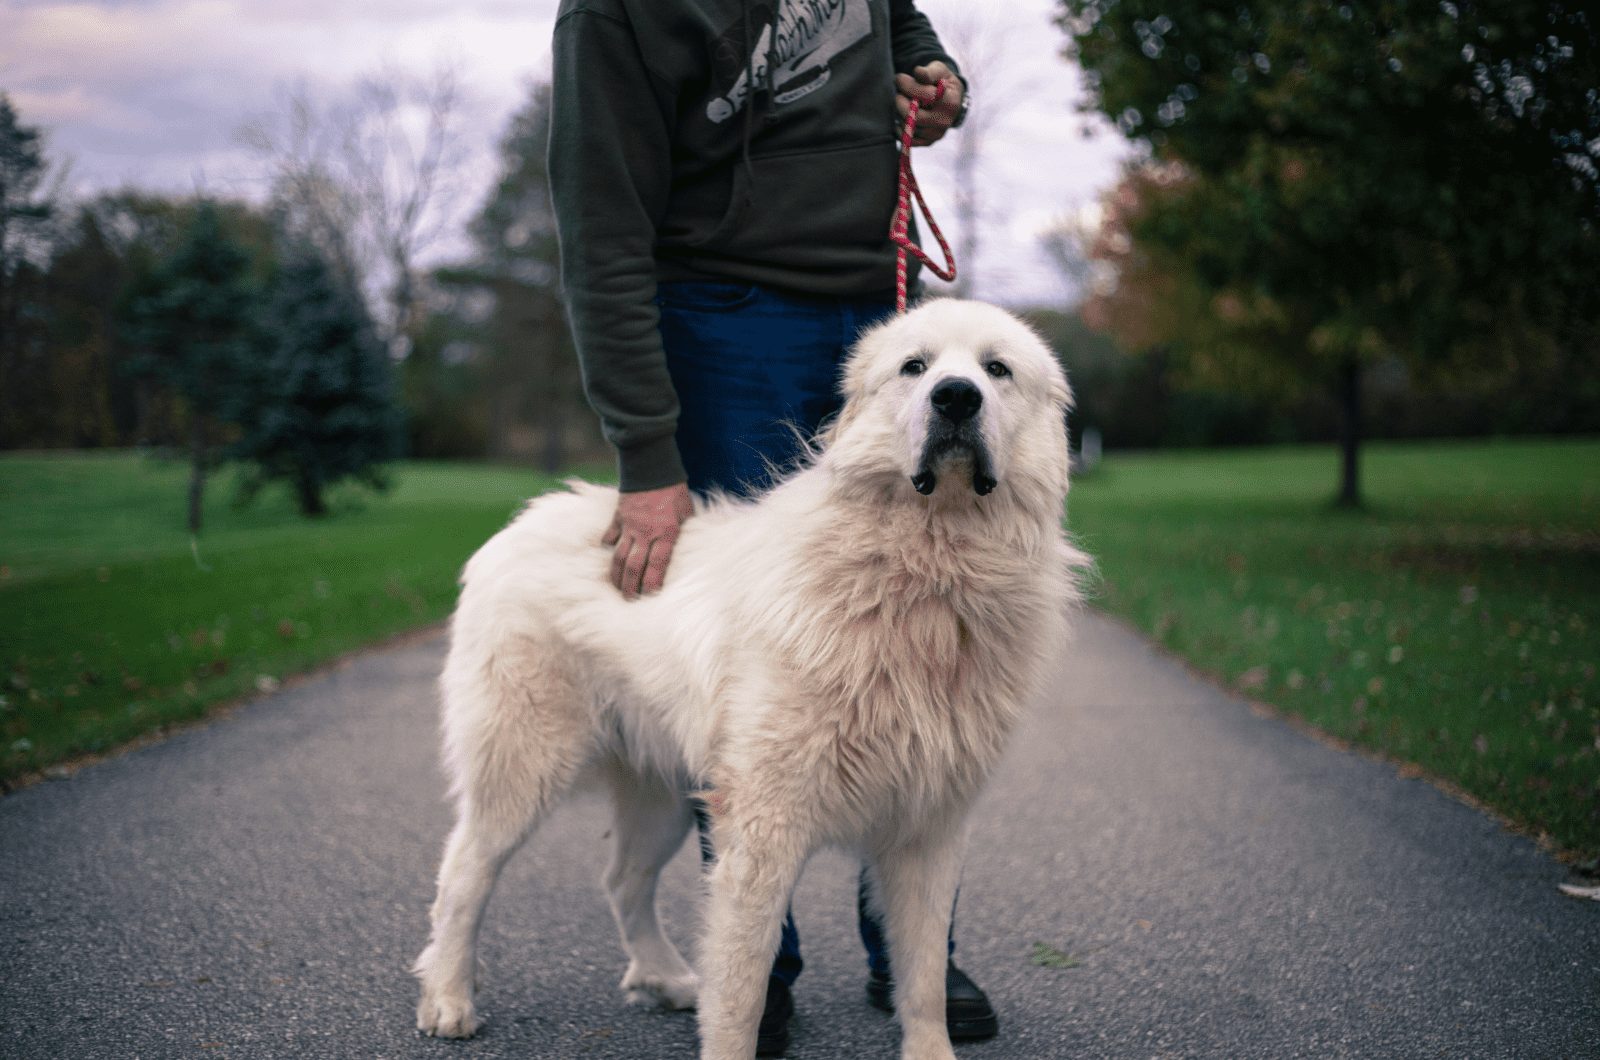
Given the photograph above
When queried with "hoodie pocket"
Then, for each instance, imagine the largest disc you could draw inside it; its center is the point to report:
(705, 295)
(793, 206)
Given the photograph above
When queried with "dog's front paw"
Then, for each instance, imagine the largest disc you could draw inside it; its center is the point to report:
(928, 1051)
(928, 1041)
(444, 1016)
(653, 988)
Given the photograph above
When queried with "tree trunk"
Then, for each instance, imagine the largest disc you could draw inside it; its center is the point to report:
(1350, 434)
(197, 470)
(554, 457)
(557, 356)
(499, 440)
(309, 492)
(402, 299)
(967, 217)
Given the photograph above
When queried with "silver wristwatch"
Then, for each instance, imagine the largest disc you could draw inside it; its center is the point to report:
(966, 105)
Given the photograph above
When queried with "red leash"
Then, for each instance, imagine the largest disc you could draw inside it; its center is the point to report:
(902, 214)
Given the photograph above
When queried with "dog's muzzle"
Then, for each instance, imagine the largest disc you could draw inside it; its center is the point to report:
(953, 435)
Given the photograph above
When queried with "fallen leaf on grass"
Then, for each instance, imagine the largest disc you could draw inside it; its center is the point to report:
(1046, 956)
(1253, 678)
(1573, 890)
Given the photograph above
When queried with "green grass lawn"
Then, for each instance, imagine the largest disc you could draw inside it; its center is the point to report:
(111, 624)
(1452, 624)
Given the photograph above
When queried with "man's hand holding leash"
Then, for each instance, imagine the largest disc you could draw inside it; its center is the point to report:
(937, 116)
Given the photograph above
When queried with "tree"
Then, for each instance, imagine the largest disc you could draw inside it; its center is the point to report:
(528, 361)
(80, 330)
(191, 318)
(322, 407)
(363, 178)
(25, 203)
(515, 236)
(119, 240)
(983, 41)
(26, 210)
(442, 379)
(1341, 183)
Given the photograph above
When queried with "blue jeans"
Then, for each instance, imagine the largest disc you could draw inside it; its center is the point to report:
(756, 370)
(752, 366)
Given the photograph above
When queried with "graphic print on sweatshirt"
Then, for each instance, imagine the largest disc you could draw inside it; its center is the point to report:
(810, 34)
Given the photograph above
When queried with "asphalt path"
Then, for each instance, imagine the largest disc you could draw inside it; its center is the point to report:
(1215, 883)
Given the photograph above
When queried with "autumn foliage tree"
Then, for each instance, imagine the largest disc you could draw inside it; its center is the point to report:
(1331, 184)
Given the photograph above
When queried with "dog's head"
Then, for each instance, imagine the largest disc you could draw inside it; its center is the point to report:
(952, 396)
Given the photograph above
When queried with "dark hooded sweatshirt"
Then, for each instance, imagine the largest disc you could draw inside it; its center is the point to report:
(725, 140)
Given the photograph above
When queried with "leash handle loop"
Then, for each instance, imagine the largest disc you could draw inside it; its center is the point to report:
(900, 226)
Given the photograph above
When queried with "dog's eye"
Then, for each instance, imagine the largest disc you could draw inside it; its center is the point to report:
(915, 366)
(997, 369)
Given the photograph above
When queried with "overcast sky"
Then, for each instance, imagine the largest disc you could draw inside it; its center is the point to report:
(151, 93)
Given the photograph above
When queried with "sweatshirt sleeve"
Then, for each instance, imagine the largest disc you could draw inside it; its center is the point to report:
(913, 40)
(610, 161)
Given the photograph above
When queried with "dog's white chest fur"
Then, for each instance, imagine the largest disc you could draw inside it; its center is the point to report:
(903, 682)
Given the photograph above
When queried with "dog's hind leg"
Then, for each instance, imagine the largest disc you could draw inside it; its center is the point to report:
(516, 740)
(916, 886)
(651, 821)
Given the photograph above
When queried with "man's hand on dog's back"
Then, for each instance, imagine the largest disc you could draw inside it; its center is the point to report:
(645, 529)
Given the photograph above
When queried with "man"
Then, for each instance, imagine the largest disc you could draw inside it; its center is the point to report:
(724, 177)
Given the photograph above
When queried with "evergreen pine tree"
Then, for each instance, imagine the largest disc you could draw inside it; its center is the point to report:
(531, 365)
(323, 405)
(26, 210)
(192, 320)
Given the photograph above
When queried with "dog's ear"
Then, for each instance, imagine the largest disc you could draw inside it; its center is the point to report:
(853, 382)
(1057, 389)
(831, 429)
(1061, 391)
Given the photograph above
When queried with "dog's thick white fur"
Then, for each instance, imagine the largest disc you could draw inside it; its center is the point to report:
(837, 662)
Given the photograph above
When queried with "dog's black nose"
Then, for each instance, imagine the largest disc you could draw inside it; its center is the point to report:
(956, 400)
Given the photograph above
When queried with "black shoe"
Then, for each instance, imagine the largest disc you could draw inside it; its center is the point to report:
(967, 1011)
(772, 1037)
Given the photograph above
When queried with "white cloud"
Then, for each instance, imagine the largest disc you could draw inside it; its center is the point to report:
(154, 93)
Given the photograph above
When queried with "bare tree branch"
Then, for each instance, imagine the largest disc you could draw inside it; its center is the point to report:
(367, 178)
(983, 42)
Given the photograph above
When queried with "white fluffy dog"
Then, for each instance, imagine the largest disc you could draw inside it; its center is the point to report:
(837, 662)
